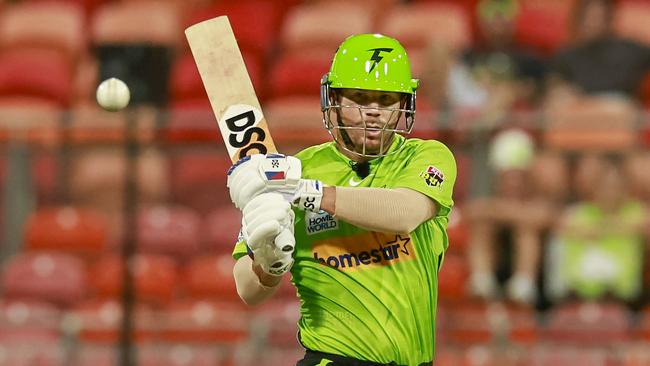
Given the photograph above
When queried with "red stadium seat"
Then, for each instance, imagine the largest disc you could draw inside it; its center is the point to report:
(588, 324)
(53, 81)
(97, 181)
(298, 75)
(45, 173)
(479, 324)
(417, 25)
(592, 124)
(296, 121)
(172, 231)
(210, 277)
(69, 229)
(543, 25)
(155, 277)
(469, 324)
(54, 277)
(278, 356)
(91, 124)
(22, 348)
(630, 20)
(179, 355)
(452, 281)
(186, 82)
(88, 6)
(635, 354)
(448, 356)
(28, 315)
(458, 232)
(643, 330)
(523, 326)
(198, 180)
(281, 319)
(55, 26)
(100, 322)
(463, 178)
(205, 322)
(191, 121)
(158, 354)
(254, 22)
(570, 356)
(121, 22)
(320, 27)
(221, 228)
(32, 119)
(93, 354)
(645, 94)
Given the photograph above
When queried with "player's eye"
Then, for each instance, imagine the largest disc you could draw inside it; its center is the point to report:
(389, 99)
(359, 98)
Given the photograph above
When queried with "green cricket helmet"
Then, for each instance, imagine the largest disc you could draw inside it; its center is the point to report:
(372, 62)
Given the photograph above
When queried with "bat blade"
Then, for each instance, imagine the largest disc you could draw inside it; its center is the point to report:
(229, 88)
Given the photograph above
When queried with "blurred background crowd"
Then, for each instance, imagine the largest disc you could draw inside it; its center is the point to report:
(544, 103)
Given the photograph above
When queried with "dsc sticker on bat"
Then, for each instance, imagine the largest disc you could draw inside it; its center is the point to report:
(245, 136)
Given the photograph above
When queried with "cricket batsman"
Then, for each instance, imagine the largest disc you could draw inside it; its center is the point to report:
(360, 222)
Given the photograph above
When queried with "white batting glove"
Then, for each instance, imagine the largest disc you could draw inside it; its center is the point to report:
(267, 228)
(258, 173)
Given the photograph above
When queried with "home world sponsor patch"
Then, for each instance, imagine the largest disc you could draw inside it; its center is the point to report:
(368, 250)
(318, 222)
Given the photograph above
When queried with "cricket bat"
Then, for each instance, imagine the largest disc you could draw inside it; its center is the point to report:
(232, 97)
(229, 88)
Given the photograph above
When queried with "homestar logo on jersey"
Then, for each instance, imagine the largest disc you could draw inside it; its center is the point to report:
(316, 222)
(369, 250)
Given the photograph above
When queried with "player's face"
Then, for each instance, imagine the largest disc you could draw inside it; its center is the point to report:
(371, 114)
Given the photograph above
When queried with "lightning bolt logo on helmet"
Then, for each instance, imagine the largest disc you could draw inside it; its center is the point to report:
(377, 57)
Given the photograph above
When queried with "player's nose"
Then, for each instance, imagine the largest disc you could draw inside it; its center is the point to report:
(372, 110)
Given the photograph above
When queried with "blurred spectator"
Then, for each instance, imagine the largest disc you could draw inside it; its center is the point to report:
(550, 177)
(507, 227)
(597, 251)
(598, 61)
(587, 172)
(637, 169)
(495, 75)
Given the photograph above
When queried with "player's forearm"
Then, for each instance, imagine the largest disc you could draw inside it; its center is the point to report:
(253, 285)
(379, 209)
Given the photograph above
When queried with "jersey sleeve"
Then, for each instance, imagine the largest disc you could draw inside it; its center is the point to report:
(431, 171)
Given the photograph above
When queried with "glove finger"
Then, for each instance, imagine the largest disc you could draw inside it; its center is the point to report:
(277, 211)
(247, 191)
(245, 186)
(261, 216)
(285, 241)
(266, 201)
(277, 265)
(262, 233)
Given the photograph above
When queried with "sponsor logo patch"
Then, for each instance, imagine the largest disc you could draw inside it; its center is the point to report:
(432, 176)
(370, 250)
(318, 222)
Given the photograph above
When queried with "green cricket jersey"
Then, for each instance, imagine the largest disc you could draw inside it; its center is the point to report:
(372, 295)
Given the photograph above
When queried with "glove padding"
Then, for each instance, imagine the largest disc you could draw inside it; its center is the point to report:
(256, 174)
(267, 228)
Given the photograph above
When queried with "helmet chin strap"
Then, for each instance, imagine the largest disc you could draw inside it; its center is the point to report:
(344, 133)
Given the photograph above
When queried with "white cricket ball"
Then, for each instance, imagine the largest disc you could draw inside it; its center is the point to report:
(113, 94)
